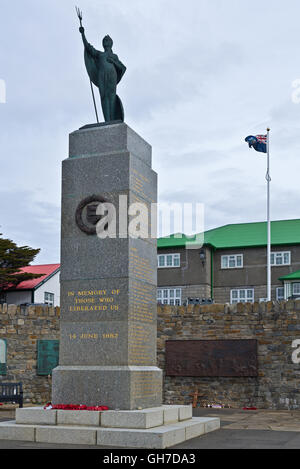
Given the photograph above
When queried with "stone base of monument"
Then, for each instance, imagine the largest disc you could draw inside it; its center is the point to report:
(155, 428)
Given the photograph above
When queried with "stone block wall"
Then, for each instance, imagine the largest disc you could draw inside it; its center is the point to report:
(274, 325)
(22, 327)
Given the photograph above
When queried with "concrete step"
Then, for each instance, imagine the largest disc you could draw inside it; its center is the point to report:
(135, 419)
(160, 437)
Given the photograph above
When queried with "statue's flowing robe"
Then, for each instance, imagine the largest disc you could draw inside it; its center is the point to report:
(92, 70)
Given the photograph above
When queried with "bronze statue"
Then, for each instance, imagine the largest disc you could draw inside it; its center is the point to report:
(105, 71)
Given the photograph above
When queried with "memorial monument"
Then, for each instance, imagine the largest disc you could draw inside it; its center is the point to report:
(108, 281)
(108, 326)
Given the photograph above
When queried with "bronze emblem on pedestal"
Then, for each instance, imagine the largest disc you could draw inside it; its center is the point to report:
(86, 214)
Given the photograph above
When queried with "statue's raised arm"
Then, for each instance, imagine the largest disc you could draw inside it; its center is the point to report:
(88, 47)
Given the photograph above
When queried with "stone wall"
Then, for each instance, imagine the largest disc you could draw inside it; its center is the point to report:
(275, 326)
(22, 327)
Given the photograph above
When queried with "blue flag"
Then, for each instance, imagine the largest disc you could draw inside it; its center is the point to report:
(259, 143)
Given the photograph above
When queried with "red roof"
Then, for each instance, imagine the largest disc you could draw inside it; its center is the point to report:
(47, 270)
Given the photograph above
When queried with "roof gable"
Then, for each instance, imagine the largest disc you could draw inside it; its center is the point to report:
(48, 270)
(283, 232)
(292, 276)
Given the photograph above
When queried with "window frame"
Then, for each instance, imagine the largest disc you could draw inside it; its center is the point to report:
(276, 254)
(166, 299)
(293, 291)
(49, 302)
(239, 298)
(281, 298)
(288, 290)
(234, 256)
(174, 256)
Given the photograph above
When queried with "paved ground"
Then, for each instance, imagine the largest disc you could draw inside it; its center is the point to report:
(250, 430)
(239, 430)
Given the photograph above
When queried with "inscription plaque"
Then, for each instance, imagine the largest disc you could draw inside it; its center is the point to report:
(211, 358)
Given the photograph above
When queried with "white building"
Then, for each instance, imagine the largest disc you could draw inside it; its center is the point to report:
(42, 290)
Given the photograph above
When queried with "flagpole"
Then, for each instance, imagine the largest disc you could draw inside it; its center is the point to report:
(268, 177)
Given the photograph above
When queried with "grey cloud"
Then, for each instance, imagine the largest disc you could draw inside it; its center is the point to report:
(179, 77)
(200, 78)
(191, 159)
(28, 221)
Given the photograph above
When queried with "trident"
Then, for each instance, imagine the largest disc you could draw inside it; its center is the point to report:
(79, 14)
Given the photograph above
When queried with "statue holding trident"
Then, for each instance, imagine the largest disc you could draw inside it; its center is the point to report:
(105, 71)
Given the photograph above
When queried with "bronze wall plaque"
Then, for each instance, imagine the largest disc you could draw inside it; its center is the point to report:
(211, 358)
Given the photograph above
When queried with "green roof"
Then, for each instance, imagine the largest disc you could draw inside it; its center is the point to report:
(293, 276)
(176, 240)
(241, 235)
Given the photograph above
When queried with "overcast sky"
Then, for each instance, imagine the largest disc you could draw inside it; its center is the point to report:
(201, 76)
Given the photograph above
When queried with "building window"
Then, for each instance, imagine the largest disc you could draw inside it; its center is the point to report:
(291, 289)
(280, 293)
(296, 289)
(2, 357)
(232, 262)
(169, 296)
(168, 260)
(242, 296)
(49, 299)
(281, 258)
(287, 290)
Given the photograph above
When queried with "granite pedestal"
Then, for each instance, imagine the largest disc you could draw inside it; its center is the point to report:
(108, 284)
